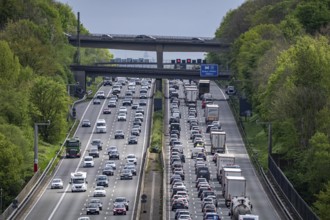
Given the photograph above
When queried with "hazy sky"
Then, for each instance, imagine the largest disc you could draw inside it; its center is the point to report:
(153, 17)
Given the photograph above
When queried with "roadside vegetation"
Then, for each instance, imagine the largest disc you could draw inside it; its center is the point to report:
(34, 74)
(280, 61)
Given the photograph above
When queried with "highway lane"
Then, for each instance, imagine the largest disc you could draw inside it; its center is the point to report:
(62, 204)
(261, 203)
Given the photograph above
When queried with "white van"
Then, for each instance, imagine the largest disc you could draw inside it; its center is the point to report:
(101, 126)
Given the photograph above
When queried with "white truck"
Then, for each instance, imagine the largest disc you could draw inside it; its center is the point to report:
(78, 181)
(240, 206)
(234, 186)
(229, 171)
(223, 160)
(218, 142)
(191, 94)
(212, 112)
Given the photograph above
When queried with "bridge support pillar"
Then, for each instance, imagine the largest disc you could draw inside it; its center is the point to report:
(160, 66)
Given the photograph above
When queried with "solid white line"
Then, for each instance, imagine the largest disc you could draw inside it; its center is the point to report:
(152, 195)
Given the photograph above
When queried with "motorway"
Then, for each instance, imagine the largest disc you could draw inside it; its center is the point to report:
(61, 204)
(261, 203)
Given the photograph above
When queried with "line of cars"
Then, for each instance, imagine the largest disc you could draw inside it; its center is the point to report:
(94, 205)
(179, 192)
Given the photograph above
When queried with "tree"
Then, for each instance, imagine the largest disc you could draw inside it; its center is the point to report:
(322, 203)
(49, 101)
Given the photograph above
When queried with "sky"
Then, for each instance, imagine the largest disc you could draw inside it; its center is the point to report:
(193, 18)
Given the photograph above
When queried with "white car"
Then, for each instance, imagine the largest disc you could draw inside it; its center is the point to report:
(57, 183)
(123, 109)
(139, 115)
(99, 191)
(121, 117)
(131, 158)
(111, 163)
(88, 161)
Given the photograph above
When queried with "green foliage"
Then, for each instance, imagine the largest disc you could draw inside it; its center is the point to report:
(157, 132)
(313, 14)
(322, 204)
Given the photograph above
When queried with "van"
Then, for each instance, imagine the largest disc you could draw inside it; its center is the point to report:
(101, 126)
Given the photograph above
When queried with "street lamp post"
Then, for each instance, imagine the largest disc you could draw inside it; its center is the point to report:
(35, 167)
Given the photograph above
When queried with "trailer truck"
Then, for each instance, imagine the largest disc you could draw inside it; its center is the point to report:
(229, 171)
(223, 160)
(212, 112)
(234, 186)
(218, 142)
(191, 95)
(203, 87)
(72, 147)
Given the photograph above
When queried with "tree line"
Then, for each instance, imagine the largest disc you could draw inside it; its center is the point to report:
(34, 74)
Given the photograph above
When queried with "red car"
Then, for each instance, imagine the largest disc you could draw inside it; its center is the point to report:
(119, 209)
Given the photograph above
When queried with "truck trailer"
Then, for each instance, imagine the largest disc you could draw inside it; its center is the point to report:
(212, 112)
(229, 171)
(218, 142)
(223, 160)
(234, 186)
(191, 95)
(203, 87)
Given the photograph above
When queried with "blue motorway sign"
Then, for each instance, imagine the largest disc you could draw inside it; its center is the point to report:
(209, 70)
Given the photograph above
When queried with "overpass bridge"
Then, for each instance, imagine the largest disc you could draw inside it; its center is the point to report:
(82, 71)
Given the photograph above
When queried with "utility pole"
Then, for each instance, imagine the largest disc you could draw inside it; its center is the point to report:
(35, 167)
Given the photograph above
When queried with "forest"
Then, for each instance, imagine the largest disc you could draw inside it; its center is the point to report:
(34, 74)
(280, 58)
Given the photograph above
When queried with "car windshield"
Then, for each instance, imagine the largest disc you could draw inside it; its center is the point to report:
(120, 200)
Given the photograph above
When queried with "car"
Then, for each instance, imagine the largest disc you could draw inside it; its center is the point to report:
(131, 158)
(179, 205)
(211, 216)
(144, 37)
(111, 148)
(131, 167)
(132, 140)
(96, 101)
(138, 127)
(98, 202)
(142, 102)
(137, 122)
(197, 40)
(179, 212)
(86, 123)
(135, 105)
(143, 96)
(122, 200)
(107, 83)
(121, 117)
(108, 170)
(88, 161)
(98, 143)
(126, 174)
(119, 134)
(139, 110)
(138, 115)
(112, 103)
(230, 90)
(111, 163)
(135, 132)
(119, 209)
(100, 95)
(113, 154)
(84, 218)
(94, 152)
(127, 102)
(102, 180)
(99, 191)
(57, 183)
(123, 109)
(92, 208)
(106, 111)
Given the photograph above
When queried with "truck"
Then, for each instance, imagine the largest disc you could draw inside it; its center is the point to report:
(240, 206)
(229, 171)
(223, 160)
(191, 95)
(203, 87)
(212, 112)
(72, 147)
(218, 142)
(234, 186)
(78, 181)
